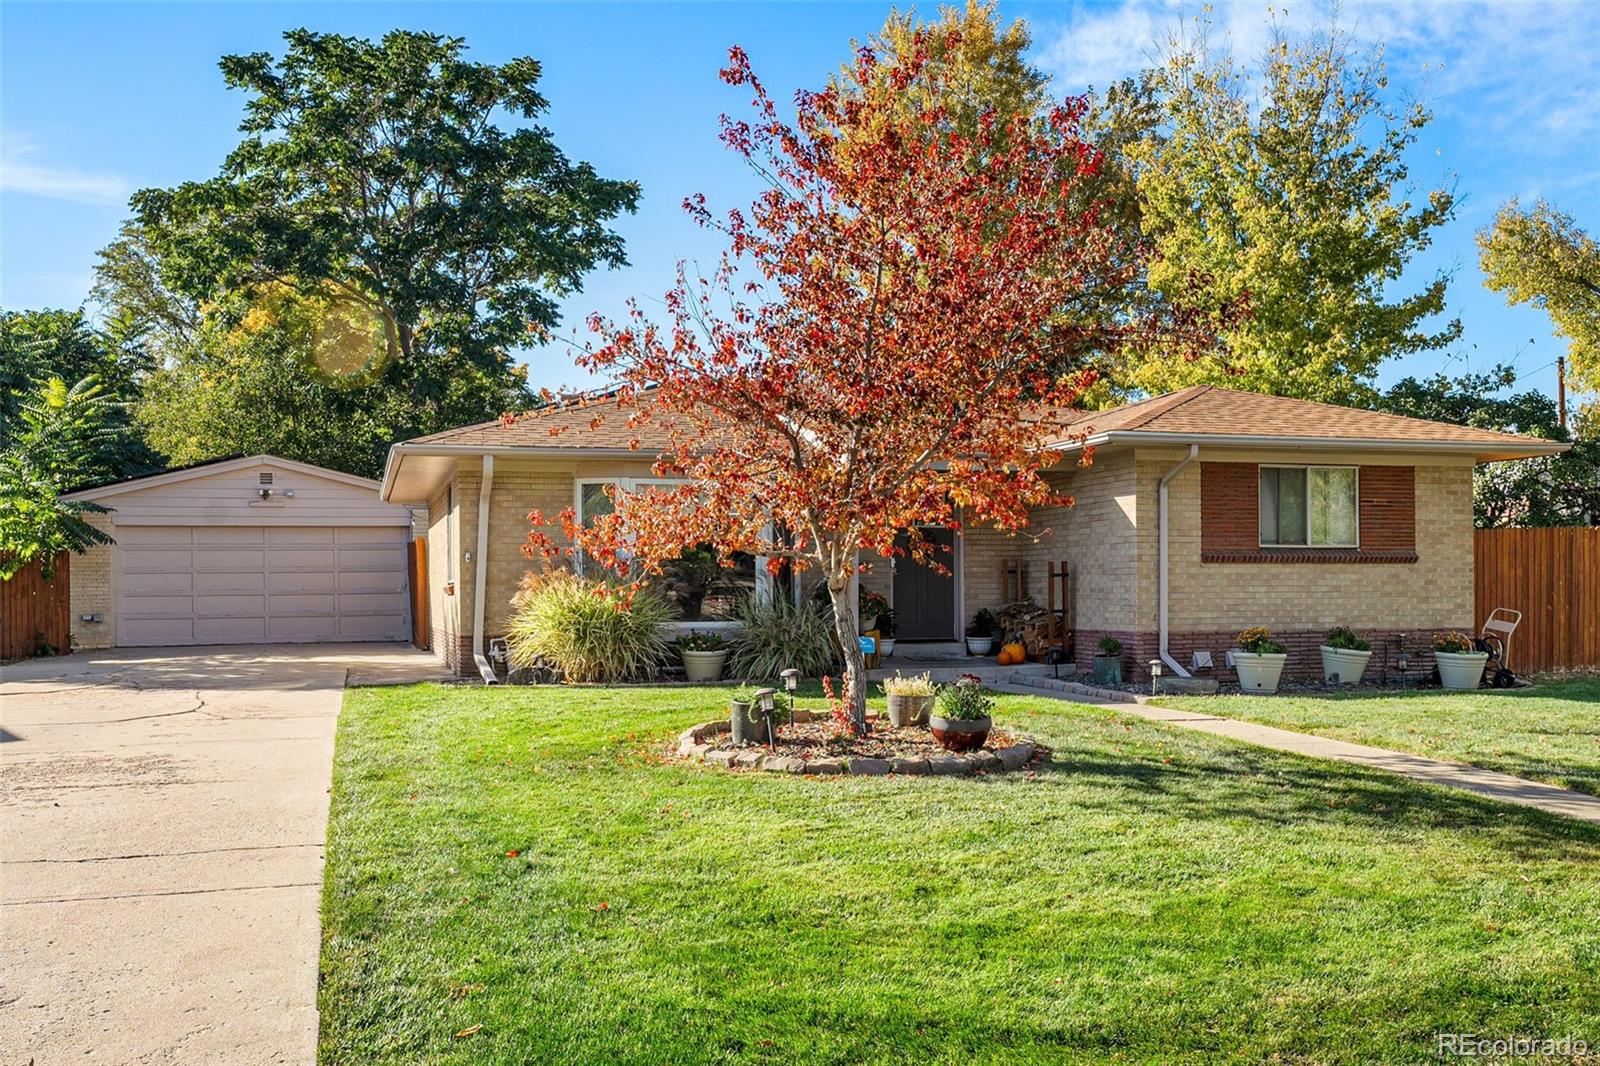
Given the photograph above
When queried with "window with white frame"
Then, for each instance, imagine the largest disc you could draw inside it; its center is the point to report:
(1309, 507)
(697, 585)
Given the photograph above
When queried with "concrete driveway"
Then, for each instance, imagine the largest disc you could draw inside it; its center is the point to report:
(162, 817)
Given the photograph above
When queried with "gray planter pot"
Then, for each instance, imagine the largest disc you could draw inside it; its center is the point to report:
(909, 710)
(745, 724)
(1108, 669)
(960, 734)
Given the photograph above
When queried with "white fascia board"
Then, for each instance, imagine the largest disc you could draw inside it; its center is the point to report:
(1527, 448)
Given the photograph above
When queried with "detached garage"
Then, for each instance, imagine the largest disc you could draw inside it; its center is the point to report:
(259, 550)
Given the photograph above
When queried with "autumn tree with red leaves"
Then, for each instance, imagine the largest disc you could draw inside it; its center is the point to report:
(870, 356)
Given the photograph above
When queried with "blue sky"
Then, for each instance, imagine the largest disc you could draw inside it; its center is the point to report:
(99, 99)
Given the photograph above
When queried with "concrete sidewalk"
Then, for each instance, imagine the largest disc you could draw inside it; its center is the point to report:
(162, 818)
(1507, 788)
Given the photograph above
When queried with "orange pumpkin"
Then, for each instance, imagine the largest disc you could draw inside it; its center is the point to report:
(1014, 653)
(1003, 659)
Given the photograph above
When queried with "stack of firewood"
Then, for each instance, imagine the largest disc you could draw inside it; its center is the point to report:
(1025, 622)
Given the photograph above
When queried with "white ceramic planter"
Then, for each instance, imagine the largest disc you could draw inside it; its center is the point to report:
(704, 665)
(979, 645)
(1460, 669)
(1343, 666)
(1259, 673)
(886, 647)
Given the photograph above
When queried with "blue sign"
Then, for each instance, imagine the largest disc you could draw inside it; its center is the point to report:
(869, 645)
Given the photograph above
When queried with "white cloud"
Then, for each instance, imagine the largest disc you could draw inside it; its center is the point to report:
(21, 174)
(1528, 70)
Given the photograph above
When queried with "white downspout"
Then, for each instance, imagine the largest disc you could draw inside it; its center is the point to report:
(1162, 564)
(481, 567)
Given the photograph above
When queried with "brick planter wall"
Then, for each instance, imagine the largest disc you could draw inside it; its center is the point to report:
(1305, 658)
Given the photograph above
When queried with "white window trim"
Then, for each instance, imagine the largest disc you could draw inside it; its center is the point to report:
(764, 586)
(1308, 467)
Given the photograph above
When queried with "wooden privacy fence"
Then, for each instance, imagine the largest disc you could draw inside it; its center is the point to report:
(36, 614)
(1553, 577)
(417, 574)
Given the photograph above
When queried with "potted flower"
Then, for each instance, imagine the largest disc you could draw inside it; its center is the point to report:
(1259, 660)
(910, 699)
(704, 656)
(870, 609)
(1344, 656)
(1459, 660)
(980, 633)
(887, 625)
(1108, 664)
(962, 722)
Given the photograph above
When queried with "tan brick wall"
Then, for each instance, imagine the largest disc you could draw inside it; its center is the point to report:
(92, 592)
(444, 620)
(1434, 592)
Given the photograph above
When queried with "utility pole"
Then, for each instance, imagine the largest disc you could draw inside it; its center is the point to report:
(1561, 389)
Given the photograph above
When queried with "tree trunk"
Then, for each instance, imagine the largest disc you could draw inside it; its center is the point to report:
(848, 630)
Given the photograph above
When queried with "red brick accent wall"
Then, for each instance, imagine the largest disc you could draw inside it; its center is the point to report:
(1305, 658)
(1230, 518)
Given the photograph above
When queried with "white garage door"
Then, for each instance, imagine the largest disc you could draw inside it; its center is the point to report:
(260, 584)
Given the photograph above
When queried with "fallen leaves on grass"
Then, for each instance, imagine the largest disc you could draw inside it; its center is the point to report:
(471, 1030)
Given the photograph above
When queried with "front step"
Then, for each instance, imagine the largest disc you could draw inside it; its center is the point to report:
(944, 671)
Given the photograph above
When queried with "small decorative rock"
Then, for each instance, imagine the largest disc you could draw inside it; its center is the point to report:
(721, 758)
(1014, 757)
(869, 767)
(781, 763)
(748, 760)
(908, 766)
(825, 766)
(948, 765)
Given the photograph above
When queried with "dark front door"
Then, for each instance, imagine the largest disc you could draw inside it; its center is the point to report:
(925, 600)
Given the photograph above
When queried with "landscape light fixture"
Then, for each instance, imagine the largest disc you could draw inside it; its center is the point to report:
(765, 696)
(791, 681)
(1155, 674)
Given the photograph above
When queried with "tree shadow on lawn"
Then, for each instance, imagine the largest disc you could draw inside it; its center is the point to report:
(1299, 791)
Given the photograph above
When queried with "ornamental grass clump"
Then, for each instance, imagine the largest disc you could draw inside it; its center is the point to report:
(915, 685)
(589, 630)
(780, 635)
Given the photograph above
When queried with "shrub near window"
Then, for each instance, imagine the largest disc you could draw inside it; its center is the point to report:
(588, 630)
(1344, 656)
(779, 635)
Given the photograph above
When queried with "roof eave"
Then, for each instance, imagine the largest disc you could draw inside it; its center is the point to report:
(398, 452)
(1526, 448)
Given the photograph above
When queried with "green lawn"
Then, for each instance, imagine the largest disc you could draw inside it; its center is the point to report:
(1549, 733)
(1151, 895)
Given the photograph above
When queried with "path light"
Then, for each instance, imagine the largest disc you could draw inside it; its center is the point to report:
(765, 696)
(791, 681)
(1155, 674)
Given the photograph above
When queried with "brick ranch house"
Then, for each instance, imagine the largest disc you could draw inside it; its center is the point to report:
(1202, 512)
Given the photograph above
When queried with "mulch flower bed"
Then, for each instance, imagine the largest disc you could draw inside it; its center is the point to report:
(814, 745)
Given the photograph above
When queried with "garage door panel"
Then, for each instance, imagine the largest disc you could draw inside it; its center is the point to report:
(370, 627)
(149, 632)
(268, 584)
(228, 536)
(147, 582)
(156, 560)
(302, 603)
(223, 581)
(231, 604)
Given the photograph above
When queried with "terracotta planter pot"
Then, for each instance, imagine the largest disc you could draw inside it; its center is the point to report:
(1461, 670)
(957, 734)
(909, 710)
(703, 665)
(1343, 666)
(1259, 673)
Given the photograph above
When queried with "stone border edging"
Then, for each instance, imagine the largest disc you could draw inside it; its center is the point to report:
(1055, 684)
(693, 744)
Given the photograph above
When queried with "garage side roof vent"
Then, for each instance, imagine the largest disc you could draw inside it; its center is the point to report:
(264, 478)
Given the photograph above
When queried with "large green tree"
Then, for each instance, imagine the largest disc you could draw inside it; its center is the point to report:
(52, 446)
(1281, 210)
(375, 180)
(1544, 258)
(39, 346)
(1558, 490)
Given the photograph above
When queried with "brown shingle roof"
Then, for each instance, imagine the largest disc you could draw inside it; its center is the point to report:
(1199, 411)
(1206, 410)
(568, 424)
